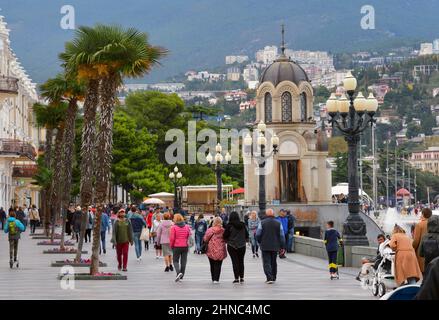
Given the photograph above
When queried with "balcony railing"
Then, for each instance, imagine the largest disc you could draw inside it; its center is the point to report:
(17, 147)
(8, 85)
(24, 171)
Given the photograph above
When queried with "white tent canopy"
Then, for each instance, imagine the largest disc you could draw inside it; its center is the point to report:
(160, 194)
(344, 188)
(153, 201)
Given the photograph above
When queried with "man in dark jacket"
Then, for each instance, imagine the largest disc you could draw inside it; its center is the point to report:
(291, 225)
(430, 286)
(271, 238)
(138, 223)
(2, 217)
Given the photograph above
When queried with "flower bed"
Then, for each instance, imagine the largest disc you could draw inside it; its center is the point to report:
(55, 243)
(73, 263)
(66, 250)
(98, 276)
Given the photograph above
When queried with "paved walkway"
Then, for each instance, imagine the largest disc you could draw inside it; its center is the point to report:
(299, 277)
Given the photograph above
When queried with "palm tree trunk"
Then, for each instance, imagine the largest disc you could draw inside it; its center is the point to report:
(56, 180)
(47, 163)
(69, 145)
(87, 153)
(104, 159)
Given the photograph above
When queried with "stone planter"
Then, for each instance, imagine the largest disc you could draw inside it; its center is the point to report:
(55, 243)
(86, 276)
(74, 264)
(62, 252)
(44, 237)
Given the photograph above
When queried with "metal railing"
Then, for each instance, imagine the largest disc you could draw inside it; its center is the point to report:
(24, 171)
(8, 84)
(17, 147)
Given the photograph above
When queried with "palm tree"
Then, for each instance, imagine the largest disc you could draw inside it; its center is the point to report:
(47, 116)
(64, 88)
(78, 61)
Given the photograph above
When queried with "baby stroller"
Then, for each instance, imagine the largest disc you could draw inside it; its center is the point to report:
(383, 276)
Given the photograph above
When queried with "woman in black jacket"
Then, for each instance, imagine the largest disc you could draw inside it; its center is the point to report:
(236, 236)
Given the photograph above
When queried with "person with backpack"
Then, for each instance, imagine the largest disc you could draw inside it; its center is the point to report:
(179, 241)
(429, 248)
(13, 228)
(200, 231)
(138, 224)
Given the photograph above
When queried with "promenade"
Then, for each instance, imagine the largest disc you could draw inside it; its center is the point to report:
(299, 277)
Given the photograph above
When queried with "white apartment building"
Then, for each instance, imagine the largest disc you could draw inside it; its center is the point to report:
(250, 73)
(236, 59)
(267, 55)
(19, 135)
(426, 48)
(436, 46)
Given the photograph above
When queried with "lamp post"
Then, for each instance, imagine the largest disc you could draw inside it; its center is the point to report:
(352, 116)
(261, 158)
(218, 169)
(175, 176)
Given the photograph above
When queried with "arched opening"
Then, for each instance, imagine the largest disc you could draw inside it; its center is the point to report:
(303, 106)
(268, 107)
(286, 102)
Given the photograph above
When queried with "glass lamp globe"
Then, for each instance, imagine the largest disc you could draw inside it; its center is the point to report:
(179, 175)
(228, 157)
(349, 82)
(175, 169)
(262, 141)
(209, 158)
(219, 157)
(218, 148)
(171, 175)
(275, 140)
(372, 103)
(343, 104)
(262, 126)
(360, 103)
(331, 104)
(248, 140)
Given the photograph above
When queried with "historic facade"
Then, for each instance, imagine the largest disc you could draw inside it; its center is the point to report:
(19, 135)
(299, 172)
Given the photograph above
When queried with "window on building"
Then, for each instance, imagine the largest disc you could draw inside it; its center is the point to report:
(287, 114)
(303, 115)
(268, 108)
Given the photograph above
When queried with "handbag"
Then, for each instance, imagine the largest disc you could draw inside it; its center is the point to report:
(190, 240)
(145, 234)
(205, 245)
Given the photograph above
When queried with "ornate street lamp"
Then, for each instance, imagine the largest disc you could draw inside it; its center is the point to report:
(175, 176)
(219, 161)
(261, 157)
(352, 116)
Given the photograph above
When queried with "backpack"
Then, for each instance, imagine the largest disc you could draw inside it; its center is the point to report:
(431, 249)
(12, 228)
(201, 227)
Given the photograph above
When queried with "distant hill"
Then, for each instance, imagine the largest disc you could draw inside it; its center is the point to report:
(199, 33)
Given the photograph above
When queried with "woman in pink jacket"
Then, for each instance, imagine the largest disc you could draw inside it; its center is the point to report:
(163, 234)
(216, 248)
(178, 240)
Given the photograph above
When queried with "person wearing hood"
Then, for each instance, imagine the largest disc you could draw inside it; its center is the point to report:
(13, 228)
(216, 248)
(429, 248)
(163, 234)
(138, 223)
(76, 222)
(178, 241)
(418, 234)
(236, 236)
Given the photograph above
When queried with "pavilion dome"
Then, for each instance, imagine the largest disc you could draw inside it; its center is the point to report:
(284, 69)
